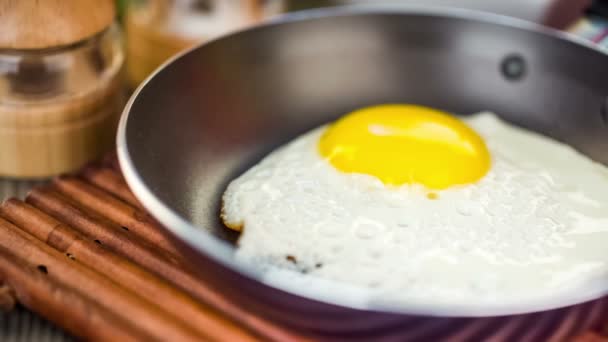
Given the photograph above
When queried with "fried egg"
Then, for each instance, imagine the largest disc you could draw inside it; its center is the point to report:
(406, 204)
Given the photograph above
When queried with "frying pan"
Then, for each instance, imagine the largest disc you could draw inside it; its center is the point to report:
(212, 112)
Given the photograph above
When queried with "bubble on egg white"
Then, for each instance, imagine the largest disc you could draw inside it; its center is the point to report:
(328, 228)
(466, 208)
(367, 229)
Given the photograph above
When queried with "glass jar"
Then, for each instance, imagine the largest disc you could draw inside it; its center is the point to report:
(157, 29)
(59, 107)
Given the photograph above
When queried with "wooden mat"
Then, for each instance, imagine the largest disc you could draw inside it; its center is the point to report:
(83, 253)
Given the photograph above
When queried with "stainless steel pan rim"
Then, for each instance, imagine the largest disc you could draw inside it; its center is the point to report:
(223, 253)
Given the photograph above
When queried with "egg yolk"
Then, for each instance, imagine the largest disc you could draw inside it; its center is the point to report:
(406, 144)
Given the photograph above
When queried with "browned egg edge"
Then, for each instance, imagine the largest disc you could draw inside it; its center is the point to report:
(234, 226)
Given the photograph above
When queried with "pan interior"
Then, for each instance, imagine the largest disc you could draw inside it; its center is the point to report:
(215, 111)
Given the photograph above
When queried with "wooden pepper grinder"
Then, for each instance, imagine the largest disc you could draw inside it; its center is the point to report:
(60, 85)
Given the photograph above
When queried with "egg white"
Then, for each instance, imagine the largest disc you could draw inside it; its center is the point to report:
(534, 226)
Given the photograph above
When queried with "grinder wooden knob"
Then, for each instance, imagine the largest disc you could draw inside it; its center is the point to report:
(36, 24)
(60, 85)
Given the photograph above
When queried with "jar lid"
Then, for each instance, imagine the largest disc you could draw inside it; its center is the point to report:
(35, 24)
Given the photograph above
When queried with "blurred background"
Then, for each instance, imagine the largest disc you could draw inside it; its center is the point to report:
(156, 29)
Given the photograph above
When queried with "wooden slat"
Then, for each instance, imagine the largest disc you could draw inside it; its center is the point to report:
(129, 306)
(591, 337)
(125, 273)
(121, 213)
(112, 182)
(76, 313)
